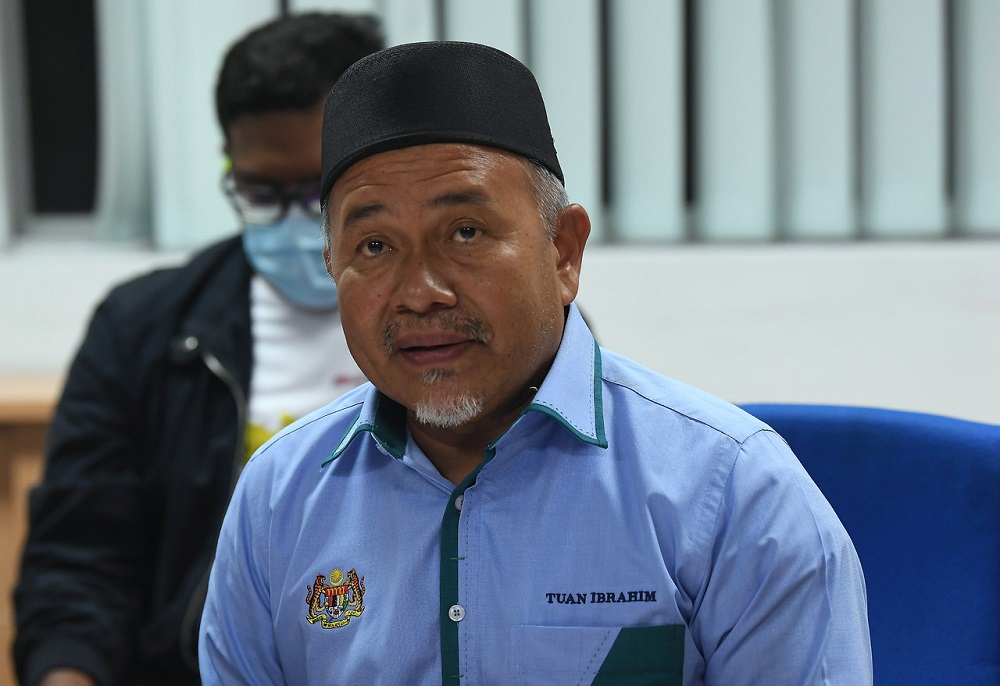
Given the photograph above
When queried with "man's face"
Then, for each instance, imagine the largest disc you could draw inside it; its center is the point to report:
(451, 292)
(280, 148)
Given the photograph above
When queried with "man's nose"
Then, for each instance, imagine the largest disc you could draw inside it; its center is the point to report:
(424, 286)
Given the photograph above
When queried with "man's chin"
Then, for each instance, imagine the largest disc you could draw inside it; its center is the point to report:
(448, 412)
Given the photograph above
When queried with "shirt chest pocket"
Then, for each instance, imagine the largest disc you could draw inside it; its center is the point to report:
(631, 656)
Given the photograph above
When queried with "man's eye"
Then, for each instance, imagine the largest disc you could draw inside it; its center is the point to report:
(372, 247)
(466, 233)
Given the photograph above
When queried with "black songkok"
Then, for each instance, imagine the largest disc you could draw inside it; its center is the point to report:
(437, 92)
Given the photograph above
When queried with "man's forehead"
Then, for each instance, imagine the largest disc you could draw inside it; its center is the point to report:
(437, 164)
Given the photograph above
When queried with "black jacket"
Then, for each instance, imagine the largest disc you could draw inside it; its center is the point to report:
(142, 453)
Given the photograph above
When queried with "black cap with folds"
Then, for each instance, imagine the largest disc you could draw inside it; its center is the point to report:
(437, 92)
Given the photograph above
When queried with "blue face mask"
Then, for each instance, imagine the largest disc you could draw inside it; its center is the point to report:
(289, 255)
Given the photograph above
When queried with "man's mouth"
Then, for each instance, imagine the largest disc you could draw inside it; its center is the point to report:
(441, 335)
(437, 353)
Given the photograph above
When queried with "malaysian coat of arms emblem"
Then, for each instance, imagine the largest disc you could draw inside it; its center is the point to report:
(333, 604)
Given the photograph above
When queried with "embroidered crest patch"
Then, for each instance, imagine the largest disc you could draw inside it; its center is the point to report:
(333, 604)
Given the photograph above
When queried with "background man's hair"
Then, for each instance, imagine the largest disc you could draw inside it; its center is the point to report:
(291, 63)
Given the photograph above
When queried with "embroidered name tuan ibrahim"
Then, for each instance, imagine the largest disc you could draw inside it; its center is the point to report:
(595, 597)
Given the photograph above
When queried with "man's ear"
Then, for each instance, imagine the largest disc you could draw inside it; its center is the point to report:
(326, 260)
(572, 231)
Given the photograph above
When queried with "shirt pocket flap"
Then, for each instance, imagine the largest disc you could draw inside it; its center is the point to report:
(629, 656)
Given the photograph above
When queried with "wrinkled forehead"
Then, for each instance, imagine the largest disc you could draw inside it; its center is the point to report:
(435, 166)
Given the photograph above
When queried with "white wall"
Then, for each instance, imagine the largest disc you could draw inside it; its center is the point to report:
(907, 325)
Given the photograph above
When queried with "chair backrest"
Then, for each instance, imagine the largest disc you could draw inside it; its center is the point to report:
(920, 497)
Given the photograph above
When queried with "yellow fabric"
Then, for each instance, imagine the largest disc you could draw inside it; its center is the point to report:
(257, 435)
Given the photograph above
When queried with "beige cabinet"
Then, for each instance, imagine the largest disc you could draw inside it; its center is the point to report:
(26, 403)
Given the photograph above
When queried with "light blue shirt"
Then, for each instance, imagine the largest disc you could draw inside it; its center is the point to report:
(627, 528)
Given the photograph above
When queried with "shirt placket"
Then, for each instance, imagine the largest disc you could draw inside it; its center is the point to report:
(453, 611)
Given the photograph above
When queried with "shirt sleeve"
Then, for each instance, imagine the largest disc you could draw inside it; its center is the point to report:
(78, 595)
(236, 643)
(784, 600)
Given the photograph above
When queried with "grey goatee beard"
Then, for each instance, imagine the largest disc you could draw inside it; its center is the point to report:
(448, 413)
(440, 410)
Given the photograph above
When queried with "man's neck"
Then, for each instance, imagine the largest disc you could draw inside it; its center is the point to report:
(454, 455)
(458, 451)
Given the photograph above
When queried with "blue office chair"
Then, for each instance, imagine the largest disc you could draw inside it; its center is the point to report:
(920, 496)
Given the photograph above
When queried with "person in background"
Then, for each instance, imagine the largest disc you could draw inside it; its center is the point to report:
(506, 501)
(182, 374)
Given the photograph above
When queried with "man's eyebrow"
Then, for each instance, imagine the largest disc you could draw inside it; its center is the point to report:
(449, 199)
(459, 198)
(363, 212)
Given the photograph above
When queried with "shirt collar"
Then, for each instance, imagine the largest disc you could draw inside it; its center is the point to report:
(381, 416)
(570, 394)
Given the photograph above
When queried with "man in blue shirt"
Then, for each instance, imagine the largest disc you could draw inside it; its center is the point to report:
(507, 502)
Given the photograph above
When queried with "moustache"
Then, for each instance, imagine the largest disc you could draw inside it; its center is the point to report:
(467, 325)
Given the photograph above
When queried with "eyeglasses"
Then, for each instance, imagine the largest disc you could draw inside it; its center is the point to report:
(268, 204)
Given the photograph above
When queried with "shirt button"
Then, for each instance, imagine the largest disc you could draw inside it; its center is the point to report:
(459, 500)
(457, 613)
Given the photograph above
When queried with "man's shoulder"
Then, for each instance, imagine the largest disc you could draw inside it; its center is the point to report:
(154, 291)
(315, 436)
(683, 402)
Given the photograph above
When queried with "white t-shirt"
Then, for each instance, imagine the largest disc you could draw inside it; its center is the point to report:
(301, 362)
